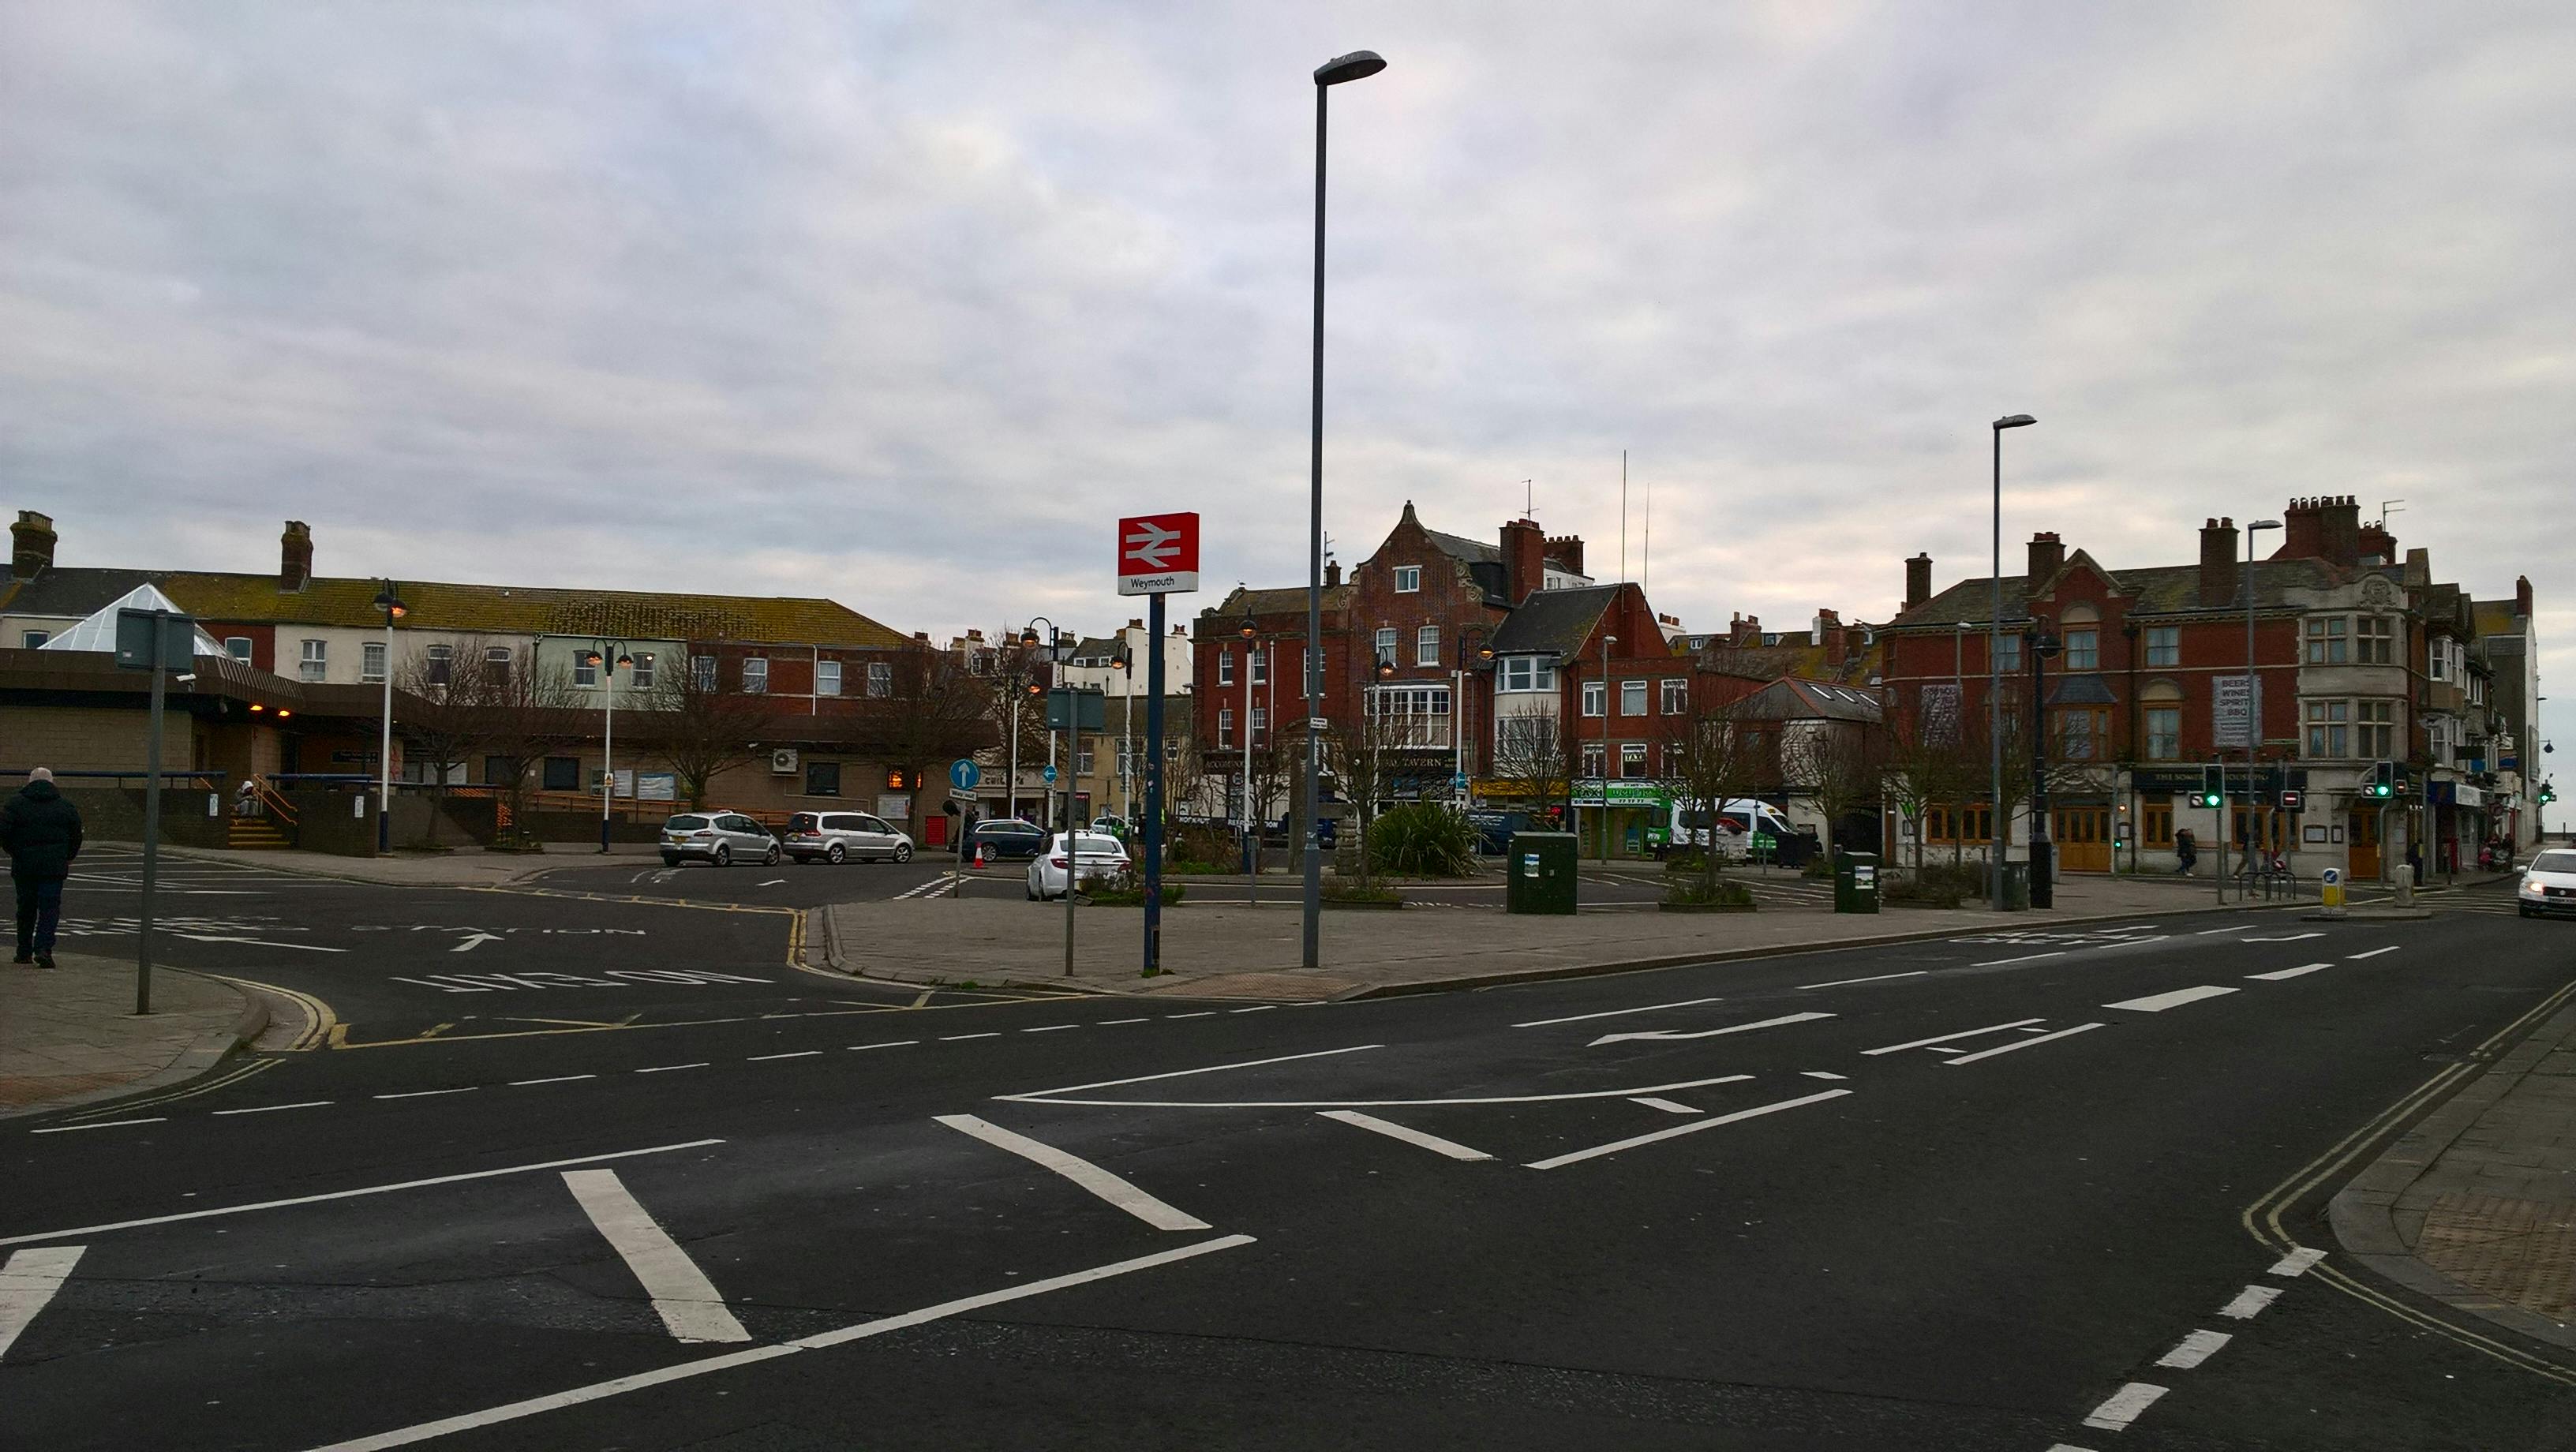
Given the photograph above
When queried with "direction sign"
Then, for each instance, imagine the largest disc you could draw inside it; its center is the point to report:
(1047, 776)
(963, 773)
(1158, 554)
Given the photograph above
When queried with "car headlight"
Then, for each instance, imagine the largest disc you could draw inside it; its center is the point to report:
(2531, 888)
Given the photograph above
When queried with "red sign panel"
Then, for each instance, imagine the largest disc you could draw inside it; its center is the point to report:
(1158, 554)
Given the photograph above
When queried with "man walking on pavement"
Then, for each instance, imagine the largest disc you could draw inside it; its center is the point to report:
(41, 832)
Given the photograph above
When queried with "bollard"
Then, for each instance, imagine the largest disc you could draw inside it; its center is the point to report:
(2405, 879)
(2330, 889)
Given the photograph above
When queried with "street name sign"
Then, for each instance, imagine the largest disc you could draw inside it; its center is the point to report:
(1158, 554)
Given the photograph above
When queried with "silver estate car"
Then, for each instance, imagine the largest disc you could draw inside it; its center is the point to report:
(838, 836)
(716, 837)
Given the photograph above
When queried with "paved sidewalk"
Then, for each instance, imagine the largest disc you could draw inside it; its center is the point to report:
(2476, 1206)
(70, 1036)
(466, 866)
(1221, 950)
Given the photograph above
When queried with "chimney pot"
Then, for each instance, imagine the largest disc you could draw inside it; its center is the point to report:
(295, 556)
(1332, 573)
(31, 545)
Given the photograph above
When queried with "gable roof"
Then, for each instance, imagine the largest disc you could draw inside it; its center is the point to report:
(496, 609)
(1554, 622)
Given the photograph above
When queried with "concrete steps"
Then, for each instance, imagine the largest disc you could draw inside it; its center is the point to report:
(255, 834)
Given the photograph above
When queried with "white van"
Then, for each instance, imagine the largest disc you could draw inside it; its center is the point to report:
(1687, 826)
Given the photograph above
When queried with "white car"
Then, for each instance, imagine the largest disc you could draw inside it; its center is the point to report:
(1101, 856)
(2548, 884)
(837, 836)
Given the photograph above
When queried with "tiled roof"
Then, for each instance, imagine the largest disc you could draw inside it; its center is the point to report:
(1791, 699)
(1458, 546)
(2496, 617)
(1554, 622)
(1796, 658)
(497, 609)
(2159, 590)
(1291, 600)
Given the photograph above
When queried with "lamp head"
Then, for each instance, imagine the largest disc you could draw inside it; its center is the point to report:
(1358, 65)
(2015, 421)
(590, 657)
(1248, 629)
(1029, 637)
(2252, 525)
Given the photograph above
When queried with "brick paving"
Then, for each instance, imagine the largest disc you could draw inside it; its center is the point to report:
(71, 1035)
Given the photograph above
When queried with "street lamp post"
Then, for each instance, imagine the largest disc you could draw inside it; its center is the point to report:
(1245, 829)
(2002, 823)
(605, 656)
(2253, 710)
(1458, 708)
(1358, 65)
(2043, 853)
(390, 602)
(1125, 664)
(1072, 759)
(1607, 641)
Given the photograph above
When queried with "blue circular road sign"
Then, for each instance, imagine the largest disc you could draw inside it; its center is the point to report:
(963, 774)
(1047, 776)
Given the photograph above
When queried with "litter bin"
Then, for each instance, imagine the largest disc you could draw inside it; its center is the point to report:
(1540, 873)
(1856, 882)
(2016, 887)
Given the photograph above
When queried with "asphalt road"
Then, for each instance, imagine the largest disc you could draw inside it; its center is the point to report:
(1963, 1194)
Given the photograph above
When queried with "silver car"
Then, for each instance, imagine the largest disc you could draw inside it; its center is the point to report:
(838, 836)
(717, 837)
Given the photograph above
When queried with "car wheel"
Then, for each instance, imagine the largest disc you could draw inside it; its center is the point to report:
(837, 855)
(724, 856)
(670, 860)
(903, 852)
(770, 857)
(2523, 911)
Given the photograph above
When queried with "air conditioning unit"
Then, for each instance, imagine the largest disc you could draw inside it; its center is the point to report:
(782, 762)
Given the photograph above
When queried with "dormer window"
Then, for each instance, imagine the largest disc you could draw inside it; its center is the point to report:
(1408, 579)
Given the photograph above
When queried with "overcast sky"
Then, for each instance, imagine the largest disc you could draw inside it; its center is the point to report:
(901, 304)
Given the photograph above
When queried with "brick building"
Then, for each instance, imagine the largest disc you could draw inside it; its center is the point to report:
(2357, 658)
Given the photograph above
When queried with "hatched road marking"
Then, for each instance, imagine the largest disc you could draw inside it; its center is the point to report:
(28, 1279)
(2278, 974)
(2021, 1044)
(1415, 1137)
(1082, 1172)
(682, 1295)
(1694, 1127)
(2159, 1002)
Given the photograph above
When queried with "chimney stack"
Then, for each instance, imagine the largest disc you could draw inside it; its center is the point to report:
(2339, 533)
(2047, 552)
(1524, 559)
(2217, 562)
(1565, 551)
(2522, 597)
(1332, 573)
(31, 545)
(1748, 630)
(1918, 580)
(2303, 531)
(295, 556)
(2375, 545)
(1828, 632)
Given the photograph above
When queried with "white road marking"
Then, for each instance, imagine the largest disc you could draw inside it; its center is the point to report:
(798, 1054)
(888, 1044)
(683, 1297)
(2020, 1044)
(28, 1279)
(1666, 1105)
(2296, 1263)
(1050, 1028)
(726, 1361)
(1821, 1074)
(1082, 1172)
(2230, 928)
(2286, 938)
(773, 882)
(2159, 1002)
(2123, 1406)
(2375, 952)
(2277, 974)
(1694, 1127)
(1202, 1013)
(1873, 978)
(2194, 1349)
(667, 1068)
(1108, 1021)
(425, 1093)
(2250, 1302)
(558, 1079)
(102, 1124)
(273, 1108)
(955, 1038)
(1186, 1073)
(1415, 1137)
(1992, 1028)
(1628, 1093)
(1616, 1012)
(474, 941)
(1676, 1034)
(2067, 1447)
(1256, 1008)
(2025, 958)
(659, 1149)
(254, 942)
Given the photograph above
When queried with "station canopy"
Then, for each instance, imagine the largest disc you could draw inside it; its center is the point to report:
(98, 632)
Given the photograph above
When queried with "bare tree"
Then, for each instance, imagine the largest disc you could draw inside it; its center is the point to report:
(1710, 759)
(1838, 765)
(521, 713)
(1359, 747)
(1535, 759)
(932, 712)
(443, 718)
(704, 726)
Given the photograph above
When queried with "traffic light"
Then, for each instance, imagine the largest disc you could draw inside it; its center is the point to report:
(2213, 789)
(2548, 793)
(2383, 780)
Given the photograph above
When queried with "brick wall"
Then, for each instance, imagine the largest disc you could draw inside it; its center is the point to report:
(92, 738)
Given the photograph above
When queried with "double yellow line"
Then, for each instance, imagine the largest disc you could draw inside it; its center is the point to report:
(2262, 1219)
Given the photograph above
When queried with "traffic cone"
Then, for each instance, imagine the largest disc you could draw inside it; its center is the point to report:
(979, 854)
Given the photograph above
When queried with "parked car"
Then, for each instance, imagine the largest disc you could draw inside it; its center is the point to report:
(1006, 837)
(1100, 854)
(2548, 884)
(716, 837)
(837, 836)
(1113, 824)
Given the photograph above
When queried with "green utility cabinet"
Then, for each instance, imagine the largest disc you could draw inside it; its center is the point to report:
(1856, 882)
(1541, 868)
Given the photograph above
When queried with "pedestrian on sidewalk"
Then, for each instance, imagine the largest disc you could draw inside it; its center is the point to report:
(41, 832)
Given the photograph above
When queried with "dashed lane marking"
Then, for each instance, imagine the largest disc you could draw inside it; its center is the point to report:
(1414, 1137)
(2159, 1002)
(274, 1108)
(2286, 938)
(2296, 1263)
(1820, 1074)
(1694, 1127)
(2278, 974)
(1666, 1105)
(2250, 1302)
(1616, 1012)
(2123, 1406)
(668, 1068)
(888, 1044)
(557, 1079)
(793, 1054)
(2373, 953)
(1050, 1028)
(425, 1093)
(2022, 1044)
(101, 1124)
(2025, 958)
(1082, 1172)
(1873, 978)
(2194, 1349)
(1992, 1028)
(244, 1209)
(1106, 1022)
(955, 1038)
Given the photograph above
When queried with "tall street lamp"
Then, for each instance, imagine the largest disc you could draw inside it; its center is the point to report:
(1246, 829)
(390, 602)
(1358, 65)
(2253, 709)
(2043, 853)
(1458, 707)
(2002, 824)
(1124, 662)
(1072, 759)
(605, 656)
(1608, 641)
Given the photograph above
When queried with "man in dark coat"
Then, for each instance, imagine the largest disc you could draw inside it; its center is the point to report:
(41, 832)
